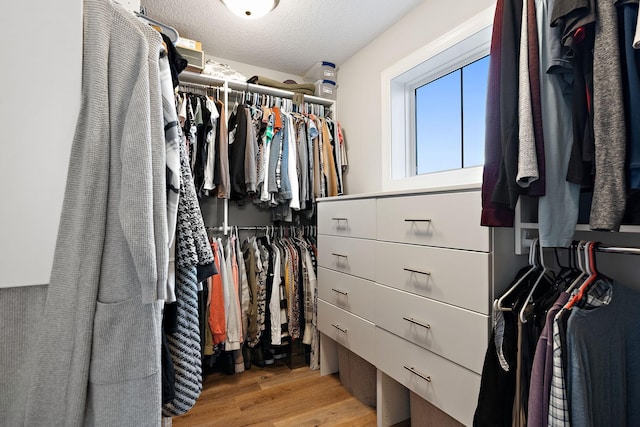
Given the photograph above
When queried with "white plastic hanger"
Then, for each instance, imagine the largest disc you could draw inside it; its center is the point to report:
(499, 303)
(529, 298)
(580, 248)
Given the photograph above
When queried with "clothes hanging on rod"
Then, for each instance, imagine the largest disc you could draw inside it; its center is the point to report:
(571, 365)
(96, 355)
(271, 280)
(280, 156)
(191, 262)
(561, 121)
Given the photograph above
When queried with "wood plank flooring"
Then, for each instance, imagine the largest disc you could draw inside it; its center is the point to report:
(276, 396)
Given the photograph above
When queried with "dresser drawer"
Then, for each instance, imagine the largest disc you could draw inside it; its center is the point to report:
(450, 220)
(348, 218)
(351, 331)
(454, 333)
(448, 386)
(347, 255)
(350, 293)
(456, 277)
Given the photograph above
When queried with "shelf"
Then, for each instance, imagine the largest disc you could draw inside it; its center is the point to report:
(203, 79)
(584, 227)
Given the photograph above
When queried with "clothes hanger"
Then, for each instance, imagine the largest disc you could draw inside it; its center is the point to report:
(529, 299)
(170, 32)
(593, 274)
(581, 267)
(499, 304)
(567, 273)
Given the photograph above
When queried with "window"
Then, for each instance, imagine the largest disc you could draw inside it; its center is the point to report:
(449, 119)
(434, 105)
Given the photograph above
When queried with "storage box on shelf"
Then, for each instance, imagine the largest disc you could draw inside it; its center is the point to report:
(326, 89)
(323, 70)
(426, 292)
(194, 57)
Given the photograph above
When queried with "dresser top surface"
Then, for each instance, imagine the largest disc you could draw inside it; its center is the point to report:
(432, 190)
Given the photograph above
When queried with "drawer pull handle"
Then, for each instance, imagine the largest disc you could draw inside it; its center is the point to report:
(344, 331)
(340, 292)
(415, 322)
(417, 220)
(412, 270)
(415, 372)
(339, 255)
(340, 219)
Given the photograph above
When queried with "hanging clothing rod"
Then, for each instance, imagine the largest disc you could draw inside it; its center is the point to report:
(617, 249)
(256, 227)
(203, 79)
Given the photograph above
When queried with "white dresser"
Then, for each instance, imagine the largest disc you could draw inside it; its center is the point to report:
(406, 282)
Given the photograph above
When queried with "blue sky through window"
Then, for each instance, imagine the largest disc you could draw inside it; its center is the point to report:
(450, 119)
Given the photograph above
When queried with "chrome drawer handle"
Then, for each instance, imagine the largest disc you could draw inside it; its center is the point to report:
(415, 322)
(339, 255)
(340, 292)
(411, 270)
(417, 220)
(413, 371)
(344, 331)
(340, 219)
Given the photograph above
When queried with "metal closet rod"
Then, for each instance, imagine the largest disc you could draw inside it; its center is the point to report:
(256, 227)
(617, 249)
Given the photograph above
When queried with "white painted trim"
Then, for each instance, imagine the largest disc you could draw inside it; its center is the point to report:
(395, 175)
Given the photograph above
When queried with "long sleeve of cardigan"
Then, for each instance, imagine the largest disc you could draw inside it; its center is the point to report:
(494, 214)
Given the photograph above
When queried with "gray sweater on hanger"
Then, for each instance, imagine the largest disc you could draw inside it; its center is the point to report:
(97, 351)
(609, 198)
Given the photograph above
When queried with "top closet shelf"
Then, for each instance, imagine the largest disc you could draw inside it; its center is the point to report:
(203, 79)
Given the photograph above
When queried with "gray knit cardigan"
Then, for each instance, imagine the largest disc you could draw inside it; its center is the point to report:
(97, 356)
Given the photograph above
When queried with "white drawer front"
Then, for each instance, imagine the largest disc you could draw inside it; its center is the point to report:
(450, 387)
(353, 332)
(348, 218)
(350, 293)
(456, 277)
(454, 333)
(347, 255)
(449, 220)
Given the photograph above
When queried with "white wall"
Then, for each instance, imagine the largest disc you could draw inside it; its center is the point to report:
(249, 70)
(40, 79)
(359, 78)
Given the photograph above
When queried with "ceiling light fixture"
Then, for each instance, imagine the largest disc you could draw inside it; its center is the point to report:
(251, 9)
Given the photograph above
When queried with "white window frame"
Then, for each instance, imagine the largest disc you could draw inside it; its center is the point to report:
(457, 48)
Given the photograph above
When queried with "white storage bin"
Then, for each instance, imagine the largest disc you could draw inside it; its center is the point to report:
(326, 89)
(322, 71)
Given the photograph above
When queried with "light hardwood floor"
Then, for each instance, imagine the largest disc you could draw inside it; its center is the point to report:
(276, 396)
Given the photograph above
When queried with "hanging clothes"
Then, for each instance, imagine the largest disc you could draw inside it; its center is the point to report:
(582, 371)
(97, 361)
(194, 263)
(267, 153)
(585, 87)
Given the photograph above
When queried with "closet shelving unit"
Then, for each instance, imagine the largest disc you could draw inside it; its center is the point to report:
(526, 227)
(189, 77)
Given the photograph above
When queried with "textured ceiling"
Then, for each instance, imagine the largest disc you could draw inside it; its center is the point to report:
(294, 36)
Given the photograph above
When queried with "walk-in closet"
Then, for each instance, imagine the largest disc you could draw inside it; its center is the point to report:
(337, 213)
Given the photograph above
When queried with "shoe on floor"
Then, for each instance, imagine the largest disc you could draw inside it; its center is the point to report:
(257, 358)
(238, 359)
(246, 355)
